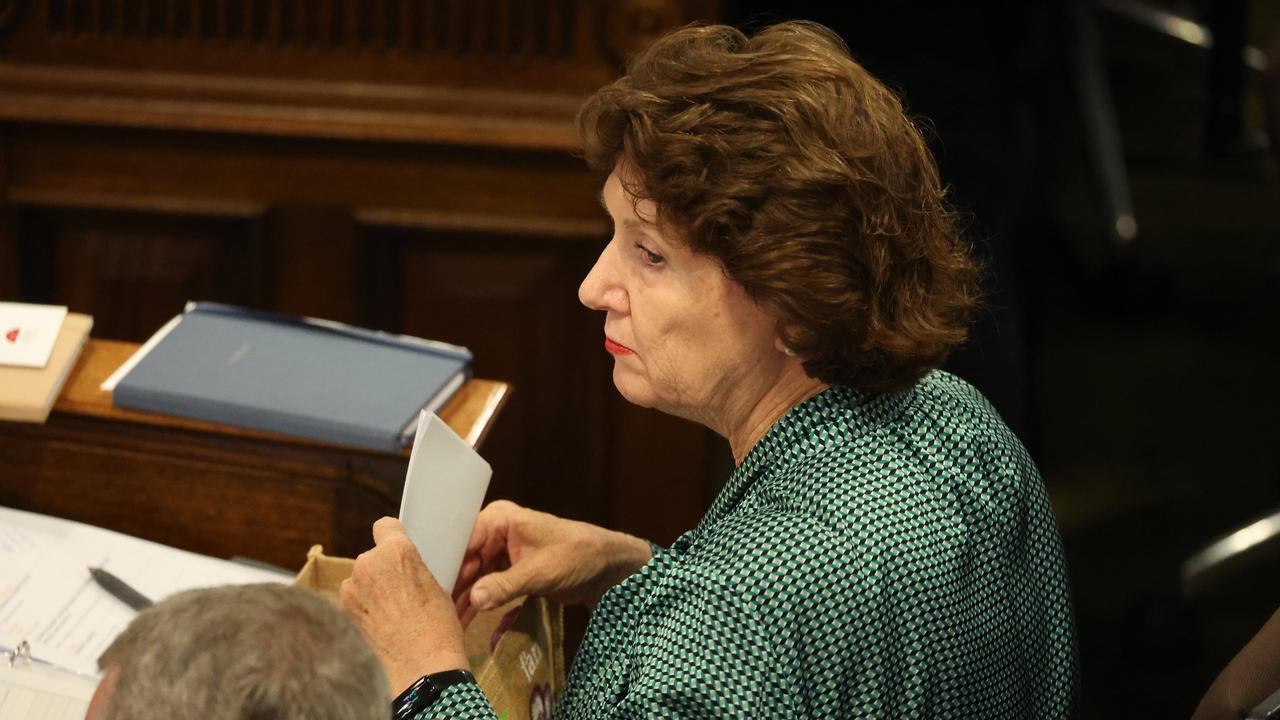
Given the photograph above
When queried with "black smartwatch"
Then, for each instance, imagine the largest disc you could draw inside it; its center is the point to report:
(426, 690)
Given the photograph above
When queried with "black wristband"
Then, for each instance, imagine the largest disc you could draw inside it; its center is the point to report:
(426, 690)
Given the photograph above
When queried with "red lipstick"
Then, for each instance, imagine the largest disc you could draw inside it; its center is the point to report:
(616, 348)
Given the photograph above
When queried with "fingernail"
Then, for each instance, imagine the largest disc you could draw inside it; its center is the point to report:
(480, 598)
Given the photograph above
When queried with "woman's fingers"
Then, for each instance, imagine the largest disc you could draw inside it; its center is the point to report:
(402, 611)
(467, 574)
(386, 528)
(495, 586)
(499, 588)
(488, 542)
(492, 557)
(494, 590)
(468, 613)
(461, 605)
(494, 517)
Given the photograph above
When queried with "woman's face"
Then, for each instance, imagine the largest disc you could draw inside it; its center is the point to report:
(685, 338)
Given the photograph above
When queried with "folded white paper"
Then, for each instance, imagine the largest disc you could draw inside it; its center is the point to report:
(443, 491)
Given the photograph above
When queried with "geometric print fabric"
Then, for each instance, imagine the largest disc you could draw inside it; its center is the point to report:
(874, 556)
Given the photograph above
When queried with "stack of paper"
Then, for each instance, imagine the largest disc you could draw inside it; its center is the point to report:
(38, 346)
(48, 598)
(40, 691)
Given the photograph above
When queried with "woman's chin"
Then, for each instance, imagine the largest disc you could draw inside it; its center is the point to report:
(632, 389)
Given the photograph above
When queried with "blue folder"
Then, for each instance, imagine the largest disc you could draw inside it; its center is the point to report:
(310, 378)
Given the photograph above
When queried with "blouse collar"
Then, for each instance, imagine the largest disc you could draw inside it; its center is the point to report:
(830, 418)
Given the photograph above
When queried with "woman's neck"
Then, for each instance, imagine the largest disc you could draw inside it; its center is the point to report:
(794, 386)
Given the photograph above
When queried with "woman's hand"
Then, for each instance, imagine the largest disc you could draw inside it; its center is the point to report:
(403, 612)
(515, 551)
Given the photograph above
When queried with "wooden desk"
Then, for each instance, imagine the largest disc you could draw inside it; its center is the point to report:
(208, 488)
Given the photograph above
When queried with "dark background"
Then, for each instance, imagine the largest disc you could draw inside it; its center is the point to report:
(1140, 372)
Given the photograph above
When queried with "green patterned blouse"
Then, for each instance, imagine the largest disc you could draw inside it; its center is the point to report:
(874, 556)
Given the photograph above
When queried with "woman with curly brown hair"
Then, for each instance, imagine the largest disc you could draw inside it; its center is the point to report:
(783, 270)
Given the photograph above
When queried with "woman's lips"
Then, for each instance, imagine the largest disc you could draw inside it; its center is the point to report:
(617, 348)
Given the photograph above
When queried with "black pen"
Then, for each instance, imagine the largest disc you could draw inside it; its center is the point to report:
(120, 589)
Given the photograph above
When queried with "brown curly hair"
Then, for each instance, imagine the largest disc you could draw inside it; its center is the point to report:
(784, 159)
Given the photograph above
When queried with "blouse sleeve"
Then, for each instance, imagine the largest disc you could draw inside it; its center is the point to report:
(465, 701)
(701, 651)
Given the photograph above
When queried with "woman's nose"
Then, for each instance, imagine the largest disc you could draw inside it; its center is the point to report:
(602, 288)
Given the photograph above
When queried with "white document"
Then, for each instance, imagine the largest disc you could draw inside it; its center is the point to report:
(48, 598)
(27, 333)
(443, 491)
(33, 528)
(18, 539)
(40, 691)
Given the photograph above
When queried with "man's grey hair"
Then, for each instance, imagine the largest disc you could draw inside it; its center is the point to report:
(245, 652)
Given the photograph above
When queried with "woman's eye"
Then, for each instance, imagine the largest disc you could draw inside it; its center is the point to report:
(648, 256)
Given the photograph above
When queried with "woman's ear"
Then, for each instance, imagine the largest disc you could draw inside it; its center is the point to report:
(786, 333)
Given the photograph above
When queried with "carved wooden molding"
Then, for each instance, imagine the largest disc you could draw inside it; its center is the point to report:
(492, 223)
(511, 29)
(168, 205)
(498, 73)
(350, 111)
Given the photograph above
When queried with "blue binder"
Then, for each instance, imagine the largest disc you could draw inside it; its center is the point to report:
(297, 376)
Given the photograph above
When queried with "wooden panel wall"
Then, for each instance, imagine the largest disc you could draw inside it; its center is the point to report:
(401, 164)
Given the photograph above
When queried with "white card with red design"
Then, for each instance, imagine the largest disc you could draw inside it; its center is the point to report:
(27, 333)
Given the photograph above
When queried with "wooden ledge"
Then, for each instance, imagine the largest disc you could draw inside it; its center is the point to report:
(291, 108)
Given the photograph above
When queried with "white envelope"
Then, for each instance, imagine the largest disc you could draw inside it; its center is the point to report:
(27, 333)
(443, 491)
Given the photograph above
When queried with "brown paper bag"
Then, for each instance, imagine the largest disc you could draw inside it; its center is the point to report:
(516, 651)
